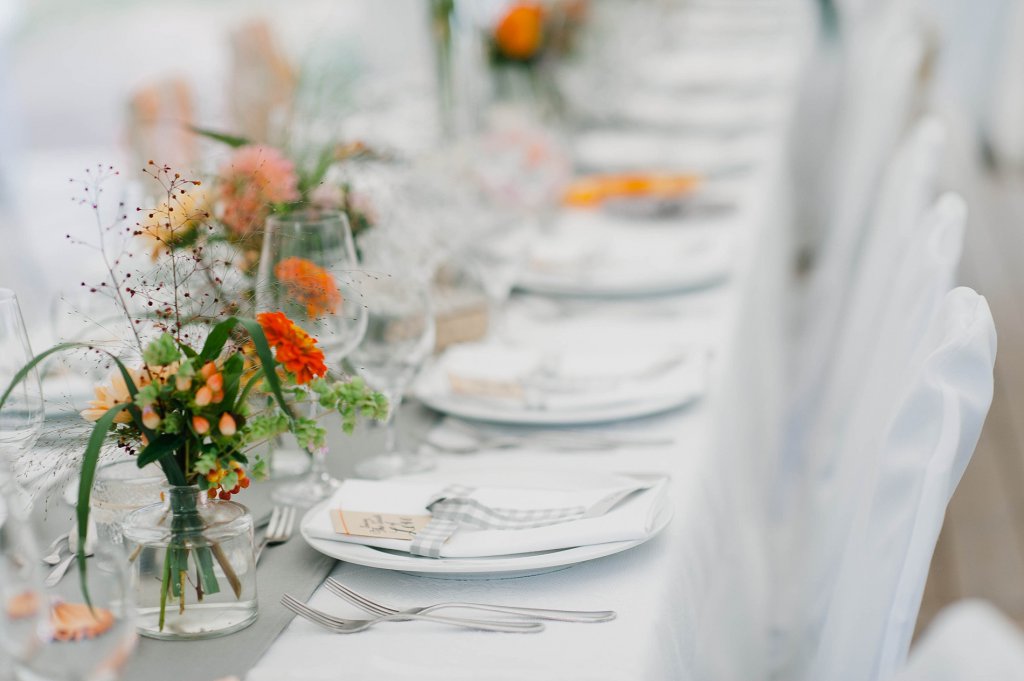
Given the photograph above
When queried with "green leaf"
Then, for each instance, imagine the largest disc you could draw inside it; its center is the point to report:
(309, 182)
(217, 339)
(162, 351)
(267, 360)
(158, 448)
(205, 463)
(233, 141)
(125, 374)
(232, 372)
(147, 395)
(27, 369)
(89, 461)
(219, 336)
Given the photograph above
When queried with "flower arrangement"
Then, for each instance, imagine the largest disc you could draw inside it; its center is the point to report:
(221, 221)
(198, 410)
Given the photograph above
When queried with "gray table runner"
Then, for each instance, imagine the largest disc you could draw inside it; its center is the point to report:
(292, 568)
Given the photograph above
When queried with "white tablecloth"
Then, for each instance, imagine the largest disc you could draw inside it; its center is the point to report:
(691, 602)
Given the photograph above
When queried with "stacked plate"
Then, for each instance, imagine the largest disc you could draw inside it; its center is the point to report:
(622, 512)
(530, 386)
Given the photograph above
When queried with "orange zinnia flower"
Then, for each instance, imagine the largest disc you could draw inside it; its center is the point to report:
(519, 33)
(310, 285)
(293, 347)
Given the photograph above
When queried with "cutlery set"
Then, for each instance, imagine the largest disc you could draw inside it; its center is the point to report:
(520, 620)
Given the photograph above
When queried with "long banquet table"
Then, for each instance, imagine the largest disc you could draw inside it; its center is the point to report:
(690, 602)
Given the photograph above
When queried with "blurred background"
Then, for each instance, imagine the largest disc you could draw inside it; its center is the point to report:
(120, 81)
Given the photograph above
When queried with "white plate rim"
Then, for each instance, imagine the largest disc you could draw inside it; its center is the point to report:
(546, 284)
(367, 556)
(493, 413)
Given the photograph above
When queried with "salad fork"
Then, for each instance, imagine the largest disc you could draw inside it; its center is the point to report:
(380, 609)
(341, 625)
(279, 529)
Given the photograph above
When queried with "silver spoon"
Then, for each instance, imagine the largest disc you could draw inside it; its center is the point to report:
(58, 572)
(55, 549)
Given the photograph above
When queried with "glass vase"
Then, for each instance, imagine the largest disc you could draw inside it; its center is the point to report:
(193, 567)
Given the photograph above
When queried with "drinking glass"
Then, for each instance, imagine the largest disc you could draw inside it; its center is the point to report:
(307, 270)
(120, 488)
(52, 630)
(21, 416)
(20, 586)
(399, 338)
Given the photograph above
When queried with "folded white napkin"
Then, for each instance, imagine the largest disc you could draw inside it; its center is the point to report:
(583, 379)
(633, 518)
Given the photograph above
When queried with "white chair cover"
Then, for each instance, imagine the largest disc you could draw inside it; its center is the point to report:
(879, 106)
(908, 187)
(836, 467)
(968, 641)
(907, 478)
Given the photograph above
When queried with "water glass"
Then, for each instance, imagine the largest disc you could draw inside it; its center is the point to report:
(399, 338)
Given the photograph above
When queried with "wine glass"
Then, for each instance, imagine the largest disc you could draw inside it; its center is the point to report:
(307, 271)
(20, 585)
(399, 338)
(59, 631)
(21, 416)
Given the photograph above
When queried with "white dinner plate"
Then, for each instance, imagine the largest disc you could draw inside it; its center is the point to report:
(657, 283)
(483, 410)
(433, 389)
(497, 567)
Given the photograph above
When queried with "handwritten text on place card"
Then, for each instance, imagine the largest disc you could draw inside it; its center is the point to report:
(379, 525)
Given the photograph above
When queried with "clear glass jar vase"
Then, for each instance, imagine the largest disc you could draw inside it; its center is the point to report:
(193, 567)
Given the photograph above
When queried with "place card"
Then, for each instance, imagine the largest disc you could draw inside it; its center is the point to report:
(377, 525)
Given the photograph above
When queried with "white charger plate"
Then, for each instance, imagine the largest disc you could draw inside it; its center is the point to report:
(495, 567)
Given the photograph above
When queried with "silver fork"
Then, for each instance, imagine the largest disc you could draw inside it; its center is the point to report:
(340, 625)
(380, 609)
(279, 528)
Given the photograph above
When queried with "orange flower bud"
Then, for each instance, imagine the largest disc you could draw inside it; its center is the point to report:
(218, 397)
(150, 418)
(216, 382)
(200, 425)
(183, 383)
(204, 396)
(209, 369)
(227, 425)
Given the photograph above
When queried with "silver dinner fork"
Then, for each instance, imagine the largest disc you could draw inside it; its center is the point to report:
(340, 625)
(279, 528)
(380, 609)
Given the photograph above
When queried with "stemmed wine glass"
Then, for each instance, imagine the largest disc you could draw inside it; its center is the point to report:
(307, 271)
(398, 340)
(21, 417)
(49, 630)
(21, 420)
